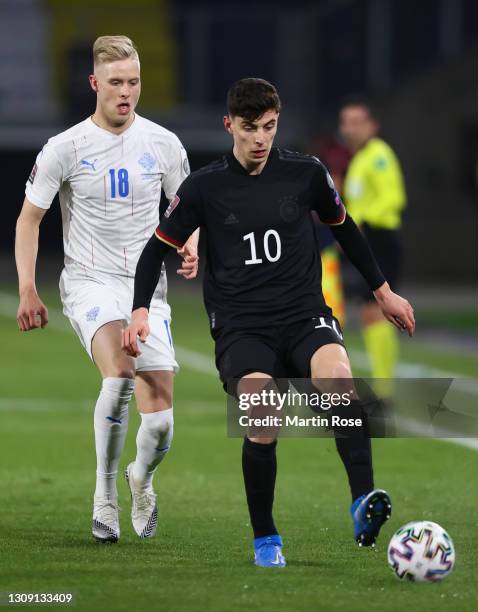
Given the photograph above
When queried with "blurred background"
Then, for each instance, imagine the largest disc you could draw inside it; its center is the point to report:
(416, 61)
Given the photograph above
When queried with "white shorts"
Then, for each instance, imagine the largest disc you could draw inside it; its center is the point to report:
(90, 301)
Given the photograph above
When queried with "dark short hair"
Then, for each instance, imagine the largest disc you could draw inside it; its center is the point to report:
(251, 98)
(360, 101)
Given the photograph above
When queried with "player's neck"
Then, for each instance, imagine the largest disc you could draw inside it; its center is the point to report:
(250, 167)
(100, 120)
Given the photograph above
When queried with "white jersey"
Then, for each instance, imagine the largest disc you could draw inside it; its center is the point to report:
(109, 188)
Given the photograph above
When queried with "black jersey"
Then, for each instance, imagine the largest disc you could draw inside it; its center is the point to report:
(262, 263)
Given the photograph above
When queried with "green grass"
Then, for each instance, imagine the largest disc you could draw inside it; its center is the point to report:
(464, 320)
(201, 557)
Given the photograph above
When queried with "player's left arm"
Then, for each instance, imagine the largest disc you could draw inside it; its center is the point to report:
(148, 270)
(178, 171)
(331, 211)
(395, 308)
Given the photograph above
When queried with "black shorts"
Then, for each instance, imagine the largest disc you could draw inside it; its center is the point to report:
(282, 351)
(387, 249)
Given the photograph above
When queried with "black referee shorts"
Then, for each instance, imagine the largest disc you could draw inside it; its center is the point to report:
(387, 248)
(281, 351)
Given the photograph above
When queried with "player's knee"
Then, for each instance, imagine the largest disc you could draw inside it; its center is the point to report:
(123, 386)
(122, 371)
(254, 382)
(154, 391)
(115, 395)
(341, 370)
(160, 423)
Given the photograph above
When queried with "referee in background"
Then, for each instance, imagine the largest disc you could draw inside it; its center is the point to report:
(375, 197)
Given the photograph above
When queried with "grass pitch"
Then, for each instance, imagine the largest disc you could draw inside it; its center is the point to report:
(201, 558)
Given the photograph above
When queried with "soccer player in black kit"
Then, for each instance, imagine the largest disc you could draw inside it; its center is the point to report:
(263, 294)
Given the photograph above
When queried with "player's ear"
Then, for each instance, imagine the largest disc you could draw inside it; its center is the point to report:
(93, 82)
(227, 124)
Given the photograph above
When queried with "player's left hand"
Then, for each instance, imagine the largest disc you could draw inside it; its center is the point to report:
(395, 309)
(190, 263)
(138, 328)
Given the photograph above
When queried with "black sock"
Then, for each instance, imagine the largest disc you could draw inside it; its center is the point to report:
(259, 466)
(355, 450)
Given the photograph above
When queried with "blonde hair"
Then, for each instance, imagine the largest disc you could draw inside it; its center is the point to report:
(113, 48)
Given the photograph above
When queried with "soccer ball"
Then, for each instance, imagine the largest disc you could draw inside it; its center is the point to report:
(421, 551)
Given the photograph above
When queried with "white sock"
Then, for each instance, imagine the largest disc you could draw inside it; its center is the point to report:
(152, 442)
(111, 425)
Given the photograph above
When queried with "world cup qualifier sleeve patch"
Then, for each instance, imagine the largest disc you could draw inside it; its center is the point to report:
(33, 173)
(172, 205)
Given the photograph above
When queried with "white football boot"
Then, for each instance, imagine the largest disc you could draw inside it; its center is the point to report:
(105, 523)
(144, 511)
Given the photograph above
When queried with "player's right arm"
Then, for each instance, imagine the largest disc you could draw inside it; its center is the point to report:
(26, 250)
(182, 217)
(42, 185)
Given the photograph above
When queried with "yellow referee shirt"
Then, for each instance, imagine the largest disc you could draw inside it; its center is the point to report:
(374, 190)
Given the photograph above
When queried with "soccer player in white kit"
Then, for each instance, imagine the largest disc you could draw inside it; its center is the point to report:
(109, 170)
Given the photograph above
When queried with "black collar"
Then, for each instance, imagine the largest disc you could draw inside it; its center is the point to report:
(238, 168)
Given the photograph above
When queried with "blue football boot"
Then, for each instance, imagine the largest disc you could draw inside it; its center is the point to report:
(369, 513)
(268, 551)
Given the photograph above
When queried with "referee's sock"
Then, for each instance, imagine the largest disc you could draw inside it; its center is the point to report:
(382, 345)
(355, 450)
(259, 466)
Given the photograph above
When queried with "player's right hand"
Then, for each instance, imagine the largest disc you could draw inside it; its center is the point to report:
(32, 312)
(139, 327)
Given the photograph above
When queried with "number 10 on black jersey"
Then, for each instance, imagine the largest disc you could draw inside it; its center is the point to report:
(269, 237)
